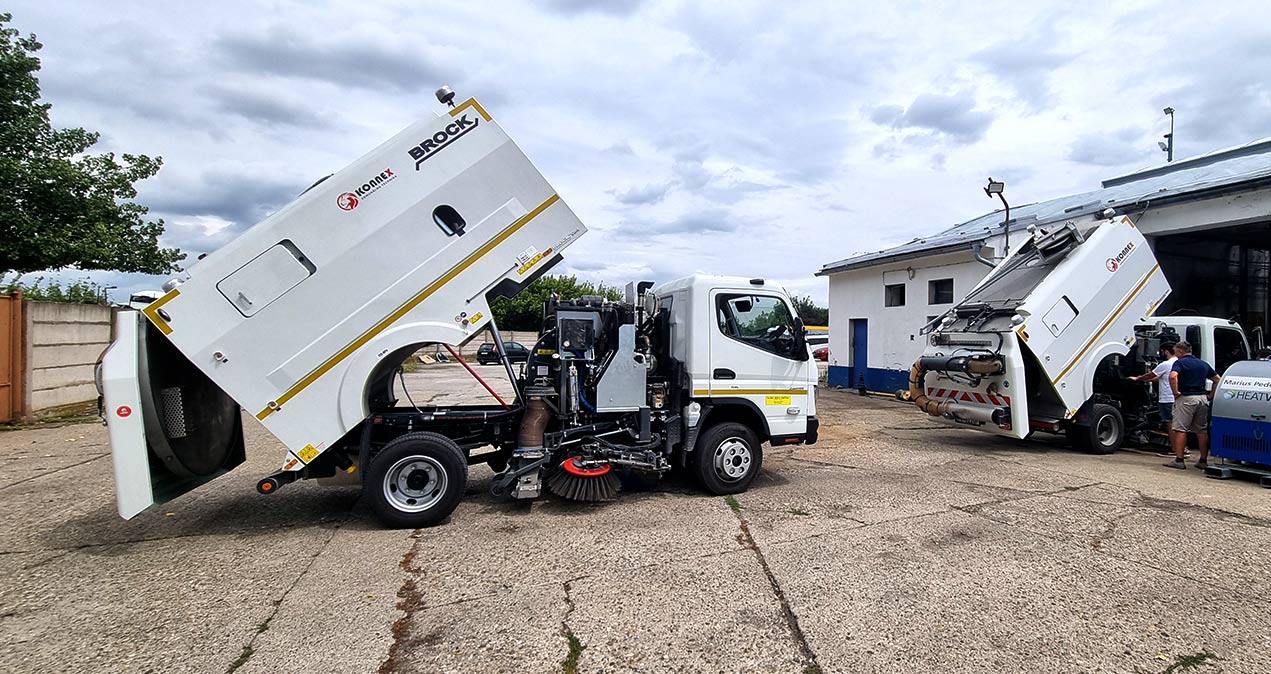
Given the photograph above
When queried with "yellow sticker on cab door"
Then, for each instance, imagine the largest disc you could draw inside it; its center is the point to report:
(776, 400)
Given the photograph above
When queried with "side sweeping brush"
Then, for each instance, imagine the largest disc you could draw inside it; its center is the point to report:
(578, 483)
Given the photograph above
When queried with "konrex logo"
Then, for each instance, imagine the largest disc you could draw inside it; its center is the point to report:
(1114, 263)
(431, 146)
(350, 200)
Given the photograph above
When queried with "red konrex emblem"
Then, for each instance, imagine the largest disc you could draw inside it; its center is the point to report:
(1113, 265)
(123, 411)
(347, 201)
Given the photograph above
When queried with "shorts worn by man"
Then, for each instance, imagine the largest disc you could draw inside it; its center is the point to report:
(1191, 403)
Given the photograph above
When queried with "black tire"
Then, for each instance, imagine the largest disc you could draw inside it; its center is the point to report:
(1078, 437)
(416, 480)
(727, 458)
(1105, 432)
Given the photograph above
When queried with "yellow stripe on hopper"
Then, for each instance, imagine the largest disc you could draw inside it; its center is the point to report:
(405, 308)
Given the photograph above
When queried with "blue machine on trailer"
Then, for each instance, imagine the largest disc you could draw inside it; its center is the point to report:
(1241, 427)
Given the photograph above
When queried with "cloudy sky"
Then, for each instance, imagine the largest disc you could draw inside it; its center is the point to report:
(748, 138)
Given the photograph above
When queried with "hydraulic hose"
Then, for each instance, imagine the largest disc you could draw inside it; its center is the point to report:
(918, 392)
(974, 365)
(537, 414)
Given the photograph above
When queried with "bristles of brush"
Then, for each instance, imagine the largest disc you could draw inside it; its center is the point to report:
(579, 488)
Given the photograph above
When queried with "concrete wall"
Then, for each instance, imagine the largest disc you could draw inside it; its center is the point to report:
(893, 342)
(64, 342)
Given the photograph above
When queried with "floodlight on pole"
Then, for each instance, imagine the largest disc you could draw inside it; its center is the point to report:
(1168, 146)
(998, 187)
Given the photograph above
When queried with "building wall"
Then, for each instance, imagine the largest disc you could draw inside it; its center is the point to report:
(64, 342)
(893, 340)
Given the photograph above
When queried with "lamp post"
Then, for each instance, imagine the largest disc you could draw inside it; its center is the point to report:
(997, 187)
(1168, 145)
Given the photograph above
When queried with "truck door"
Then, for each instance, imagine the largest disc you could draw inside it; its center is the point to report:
(171, 428)
(1229, 347)
(756, 359)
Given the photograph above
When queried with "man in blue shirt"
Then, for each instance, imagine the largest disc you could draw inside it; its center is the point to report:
(1191, 404)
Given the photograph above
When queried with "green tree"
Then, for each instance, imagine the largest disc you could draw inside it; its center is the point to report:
(809, 312)
(82, 291)
(60, 207)
(525, 311)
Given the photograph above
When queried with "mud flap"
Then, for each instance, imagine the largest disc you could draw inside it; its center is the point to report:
(171, 428)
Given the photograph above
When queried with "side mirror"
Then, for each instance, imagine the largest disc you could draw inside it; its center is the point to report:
(800, 341)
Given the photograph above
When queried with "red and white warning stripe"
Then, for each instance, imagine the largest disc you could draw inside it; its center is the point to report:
(969, 396)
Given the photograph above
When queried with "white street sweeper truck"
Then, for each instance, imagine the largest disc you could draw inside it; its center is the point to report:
(1023, 349)
(303, 320)
(1048, 339)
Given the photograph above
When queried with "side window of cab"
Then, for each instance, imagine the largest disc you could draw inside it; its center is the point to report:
(761, 321)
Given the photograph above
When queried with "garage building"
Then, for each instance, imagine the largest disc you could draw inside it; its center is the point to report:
(1208, 219)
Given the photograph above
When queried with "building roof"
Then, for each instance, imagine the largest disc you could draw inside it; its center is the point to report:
(1239, 167)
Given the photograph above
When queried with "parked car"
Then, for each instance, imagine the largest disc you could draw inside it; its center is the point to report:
(822, 353)
(488, 353)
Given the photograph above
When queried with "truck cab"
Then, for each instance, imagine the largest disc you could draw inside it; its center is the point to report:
(1217, 341)
(745, 354)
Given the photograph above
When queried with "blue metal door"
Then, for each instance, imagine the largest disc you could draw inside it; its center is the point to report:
(860, 349)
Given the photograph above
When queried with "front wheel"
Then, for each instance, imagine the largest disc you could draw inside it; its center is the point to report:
(416, 480)
(729, 457)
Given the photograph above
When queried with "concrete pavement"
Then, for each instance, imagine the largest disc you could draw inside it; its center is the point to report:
(894, 545)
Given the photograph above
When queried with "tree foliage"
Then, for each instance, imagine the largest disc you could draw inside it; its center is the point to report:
(60, 207)
(525, 311)
(809, 312)
(39, 289)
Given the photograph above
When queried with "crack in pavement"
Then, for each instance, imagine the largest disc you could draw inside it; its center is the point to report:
(1109, 528)
(53, 472)
(569, 665)
(1098, 550)
(250, 647)
(133, 541)
(46, 560)
(792, 621)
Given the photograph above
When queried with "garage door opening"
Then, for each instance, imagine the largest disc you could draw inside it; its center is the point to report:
(1224, 273)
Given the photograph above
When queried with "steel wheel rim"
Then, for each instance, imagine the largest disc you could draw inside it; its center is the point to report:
(732, 459)
(415, 484)
(1106, 430)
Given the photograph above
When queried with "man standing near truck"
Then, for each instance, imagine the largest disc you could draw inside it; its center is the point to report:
(1191, 404)
(1164, 392)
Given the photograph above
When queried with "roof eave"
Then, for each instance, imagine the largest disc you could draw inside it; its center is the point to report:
(848, 265)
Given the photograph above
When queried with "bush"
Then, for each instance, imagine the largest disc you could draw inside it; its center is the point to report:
(40, 289)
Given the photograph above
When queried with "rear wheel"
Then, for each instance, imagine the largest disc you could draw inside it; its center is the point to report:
(1104, 434)
(416, 480)
(728, 457)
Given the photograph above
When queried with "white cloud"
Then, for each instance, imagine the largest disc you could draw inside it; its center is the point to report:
(752, 138)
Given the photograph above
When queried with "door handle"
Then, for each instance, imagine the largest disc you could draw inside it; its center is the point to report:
(723, 373)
